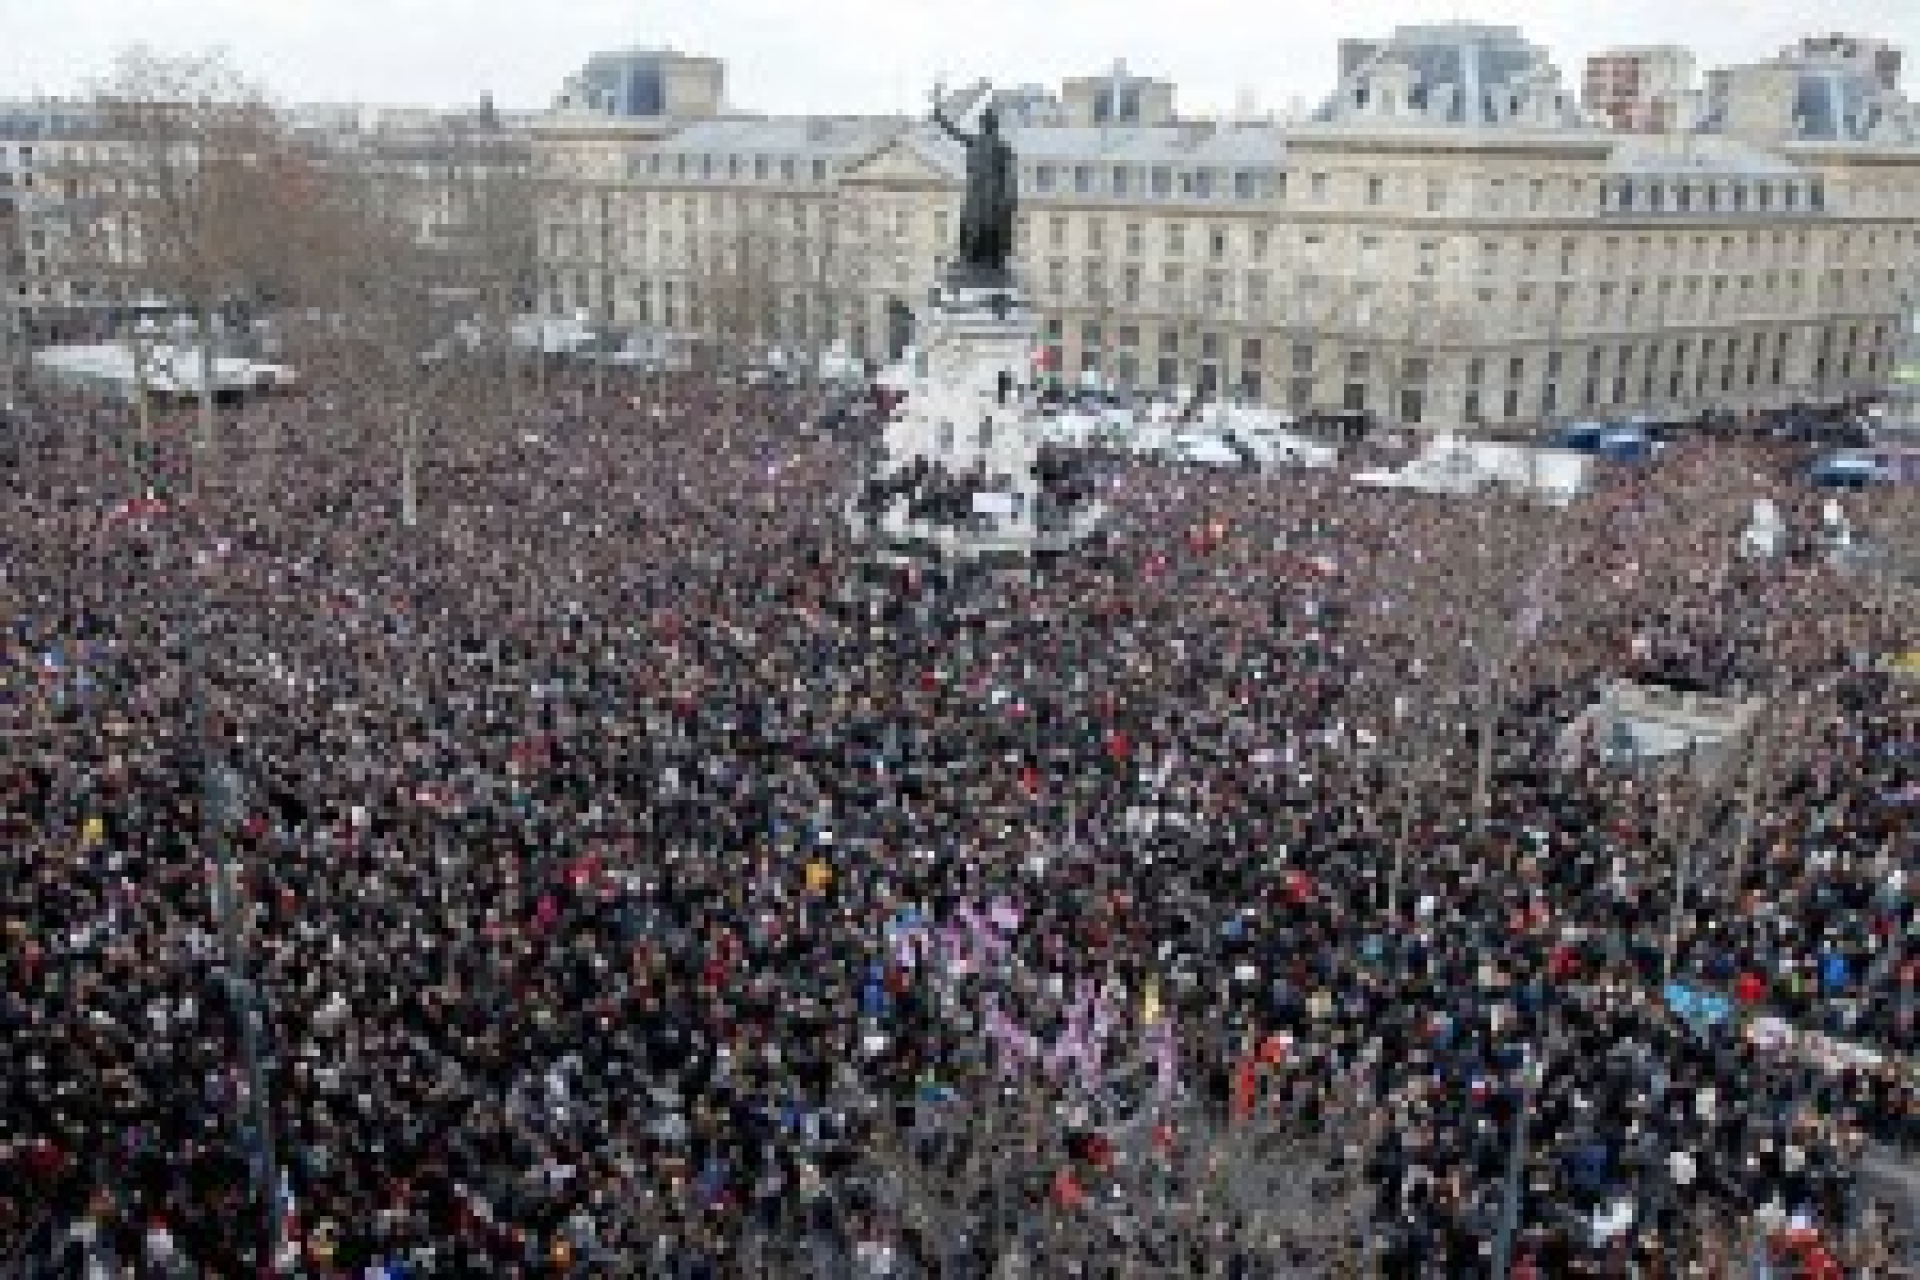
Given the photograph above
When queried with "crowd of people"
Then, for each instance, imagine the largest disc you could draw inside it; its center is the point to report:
(576, 824)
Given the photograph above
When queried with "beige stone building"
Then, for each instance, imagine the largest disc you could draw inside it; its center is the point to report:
(1449, 240)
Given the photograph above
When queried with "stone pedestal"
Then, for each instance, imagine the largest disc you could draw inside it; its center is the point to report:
(957, 477)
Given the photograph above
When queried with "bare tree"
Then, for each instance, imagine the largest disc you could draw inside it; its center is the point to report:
(388, 286)
(192, 198)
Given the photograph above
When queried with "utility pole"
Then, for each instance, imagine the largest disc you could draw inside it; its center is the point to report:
(9, 305)
(1510, 1195)
(220, 796)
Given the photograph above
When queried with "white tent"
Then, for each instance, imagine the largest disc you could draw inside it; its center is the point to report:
(118, 368)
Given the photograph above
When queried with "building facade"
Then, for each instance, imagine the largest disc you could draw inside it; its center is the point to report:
(1649, 89)
(1449, 240)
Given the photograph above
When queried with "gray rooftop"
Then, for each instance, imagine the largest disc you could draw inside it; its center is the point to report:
(791, 135)
(1461, 74)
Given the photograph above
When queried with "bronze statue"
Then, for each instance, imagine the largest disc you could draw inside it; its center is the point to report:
(986, 217)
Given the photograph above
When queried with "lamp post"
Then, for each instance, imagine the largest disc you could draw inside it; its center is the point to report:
(221, 799)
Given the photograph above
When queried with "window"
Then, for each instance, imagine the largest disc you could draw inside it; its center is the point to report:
(1056, 233)
(1130, 283)
(1300, 394)
(1470, 407)
(1537, 195)
(1357, 365)
(1136, 239)
(1250, 351)
(1436, 195)
(1250, 384)
(1120, 182)
(1083, 179)
(786, 169)
(1510, 403)
(1376, 190)
(1043, 178)
(1162, 182)
(1209, 346)
(1129, 335)
(1517, 369)
(1170, 341)
(1303, 357)
(1318, 183)
(1176, 237)
(1056, 278)
(1244, 187)
(1476, 371)
(1354, 399)
(1214, 288)
(1256, 288)
(1169, 371)
(1096, 235)
(1203, 183)
(1414, 369)
(1095, 274)
(1216, 243)
(1412, 404)
(819, 170)
(1257, 244)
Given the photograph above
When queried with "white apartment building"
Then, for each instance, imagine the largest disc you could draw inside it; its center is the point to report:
(1450, 239)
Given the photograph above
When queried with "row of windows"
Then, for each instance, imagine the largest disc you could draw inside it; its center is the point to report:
(731, 168)
(1159, 182)
(1221, 241)
(1679, 196)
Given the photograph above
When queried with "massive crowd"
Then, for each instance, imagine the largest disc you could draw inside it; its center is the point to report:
(572, 822)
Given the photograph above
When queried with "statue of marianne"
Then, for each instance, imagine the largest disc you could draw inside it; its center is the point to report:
(986, 217)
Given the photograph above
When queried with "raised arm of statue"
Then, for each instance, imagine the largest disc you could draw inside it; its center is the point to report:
(940, 118)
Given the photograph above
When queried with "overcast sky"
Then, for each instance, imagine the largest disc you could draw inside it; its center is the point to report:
(852, 55)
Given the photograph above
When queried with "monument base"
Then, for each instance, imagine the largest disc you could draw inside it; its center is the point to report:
(958, 483)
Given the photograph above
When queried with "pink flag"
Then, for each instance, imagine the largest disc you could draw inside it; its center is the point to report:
(1166, 1058)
